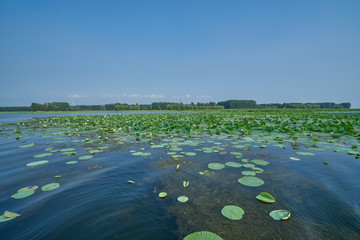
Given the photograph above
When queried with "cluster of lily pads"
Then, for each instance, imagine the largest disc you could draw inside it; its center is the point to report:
(170, 133)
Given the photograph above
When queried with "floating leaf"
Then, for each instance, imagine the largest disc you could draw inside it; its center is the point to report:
(36, 163)
(71, 162)
(257, 170)
(182, 199)
(233, 164)
(306, 153)
(28, 145)
(23, 194)
(232, 212)
(251, 181)
(203, 235)
(163, 195)
(50, 186)
(11, 214)
(130, 182)
(216, 166)
(186, 184)
(265, 197)
(67, 150)
(43, 155)
(280, 214)
(294, 158)
(86, 157)
(248, 173)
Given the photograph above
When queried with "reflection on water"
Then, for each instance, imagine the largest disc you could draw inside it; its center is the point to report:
(95, 200)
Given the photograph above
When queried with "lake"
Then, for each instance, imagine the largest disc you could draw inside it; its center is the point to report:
(108, 171)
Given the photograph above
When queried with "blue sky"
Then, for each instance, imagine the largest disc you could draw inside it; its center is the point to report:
(96, 52)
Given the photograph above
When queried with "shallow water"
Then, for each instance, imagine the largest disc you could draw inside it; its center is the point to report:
(95, 200)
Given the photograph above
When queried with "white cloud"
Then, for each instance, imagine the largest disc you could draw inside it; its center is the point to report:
(76, 96)
(187, 96)
(132, 95)
(159, 96)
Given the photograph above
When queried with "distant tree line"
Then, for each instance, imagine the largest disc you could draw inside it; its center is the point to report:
(229, 104)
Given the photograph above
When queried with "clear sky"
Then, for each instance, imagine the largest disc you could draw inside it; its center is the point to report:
(96, 52)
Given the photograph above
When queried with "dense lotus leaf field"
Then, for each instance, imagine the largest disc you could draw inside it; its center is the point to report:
(226, 175)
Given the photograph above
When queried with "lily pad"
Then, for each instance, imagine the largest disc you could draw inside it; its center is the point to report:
(251, 181)
(43, 155)
(23, 194)
(186, 184)
(232, 212)
(28, 188)
(86, 157)
(71, 162)
(248, 173)
(306, 153)
(182, 199)
(233, 164)
(265, 197)
(280, 214)
(203, 235)
(216, 166)
(163, 195)
(50, 186)
(11, 214)
(36, 163)
(294, 158)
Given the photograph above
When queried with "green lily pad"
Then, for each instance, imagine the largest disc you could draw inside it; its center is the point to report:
(233, 164)
(251, 181)
(260, 162)
(294, 158)
(257, 170)
(248, 165)
(216, 166)
(163, 195)
(36, 163)
(182, 199)
(265, 197)
(186, 184)
(23, 194)
(248, 173)
(71, 162)
(27, 145)
(67, 150)
(306, 153)
(232, 212)
(86, 157)
(50, 186)
(203, 235)
(43, 155)
(11, 214)
(280, 214)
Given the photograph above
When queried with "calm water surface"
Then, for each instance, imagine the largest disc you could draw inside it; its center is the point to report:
(95, 200)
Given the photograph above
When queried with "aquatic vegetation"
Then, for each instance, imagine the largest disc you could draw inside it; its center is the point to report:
(280, 214)
(232, 212)
(163, 195)
(50, 186)
(182, 199)
(251, 181)
(234, 147)
(203, 235)
(265, 197)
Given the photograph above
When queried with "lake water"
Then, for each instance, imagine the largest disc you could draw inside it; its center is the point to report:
(96, 201)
